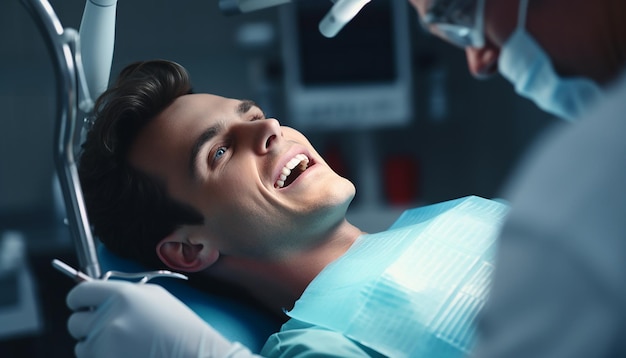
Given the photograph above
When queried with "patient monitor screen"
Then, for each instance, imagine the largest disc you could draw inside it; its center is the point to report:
(360, 78)
(362, 52)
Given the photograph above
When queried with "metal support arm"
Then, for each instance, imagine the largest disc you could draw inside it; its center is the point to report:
(72, 95)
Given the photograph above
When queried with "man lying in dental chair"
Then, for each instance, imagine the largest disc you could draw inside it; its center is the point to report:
(203, 183)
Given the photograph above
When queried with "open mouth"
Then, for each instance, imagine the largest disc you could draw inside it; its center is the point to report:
(292, 170)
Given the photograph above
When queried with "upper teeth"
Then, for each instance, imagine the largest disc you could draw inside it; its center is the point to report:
(300, 159)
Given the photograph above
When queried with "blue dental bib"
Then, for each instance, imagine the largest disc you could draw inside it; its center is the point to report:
(415, 289)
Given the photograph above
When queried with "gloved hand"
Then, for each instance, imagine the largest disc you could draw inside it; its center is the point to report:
(123, 319)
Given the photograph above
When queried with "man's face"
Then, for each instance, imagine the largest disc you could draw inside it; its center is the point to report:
(225, 159)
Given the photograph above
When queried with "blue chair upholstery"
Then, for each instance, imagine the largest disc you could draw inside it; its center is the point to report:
(238, 322)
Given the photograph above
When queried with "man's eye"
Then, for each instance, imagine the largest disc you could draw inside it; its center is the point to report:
(219, 152)
(215, 156)
(257, 117)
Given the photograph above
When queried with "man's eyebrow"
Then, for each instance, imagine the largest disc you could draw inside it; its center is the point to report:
(206, 136)
(245, 106)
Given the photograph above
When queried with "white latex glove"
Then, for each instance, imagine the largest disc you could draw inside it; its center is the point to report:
(123, 319)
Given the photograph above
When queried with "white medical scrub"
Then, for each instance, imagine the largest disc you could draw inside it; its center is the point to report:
(559, 287)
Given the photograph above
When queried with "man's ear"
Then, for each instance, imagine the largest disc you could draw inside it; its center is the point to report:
(187, 250)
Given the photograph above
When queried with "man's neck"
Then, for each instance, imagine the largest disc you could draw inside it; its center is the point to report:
(279, 283)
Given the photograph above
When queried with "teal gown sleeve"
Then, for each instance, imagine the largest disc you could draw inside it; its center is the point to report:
(301, 340)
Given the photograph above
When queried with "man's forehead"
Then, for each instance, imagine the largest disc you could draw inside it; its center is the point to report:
(197, 100)
(166, 134)
(205, 103)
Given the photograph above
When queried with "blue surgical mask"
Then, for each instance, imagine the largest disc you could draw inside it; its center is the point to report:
(527, 66)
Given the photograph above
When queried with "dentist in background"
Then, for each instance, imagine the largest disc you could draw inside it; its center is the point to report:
(559, 283)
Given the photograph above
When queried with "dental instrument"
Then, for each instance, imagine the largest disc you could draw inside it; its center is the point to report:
(70, 271)
(141, 277)
(460, 22)
(339, 15)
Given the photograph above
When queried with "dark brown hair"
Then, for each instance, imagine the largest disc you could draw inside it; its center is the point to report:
(130, 212)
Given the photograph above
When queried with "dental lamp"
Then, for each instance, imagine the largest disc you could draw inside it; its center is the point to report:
(342, 12)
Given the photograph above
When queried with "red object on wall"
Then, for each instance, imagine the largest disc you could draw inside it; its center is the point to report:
(401, 178)
(334, 159)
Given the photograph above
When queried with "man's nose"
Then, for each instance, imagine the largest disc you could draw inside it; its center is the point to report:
(262, 134)
(482, 62)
